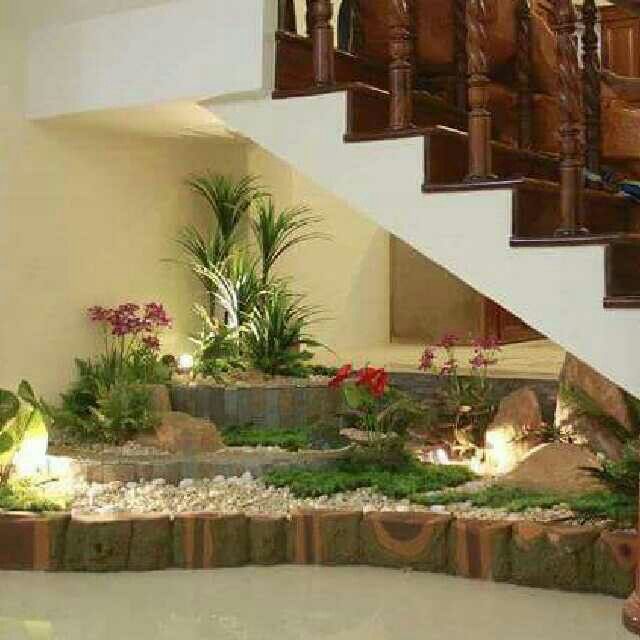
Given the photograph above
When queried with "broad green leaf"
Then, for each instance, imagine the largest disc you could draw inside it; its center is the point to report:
(25, 393)
(6, 442)
(9, 406)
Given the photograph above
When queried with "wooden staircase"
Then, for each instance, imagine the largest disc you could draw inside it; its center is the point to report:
(533, 177)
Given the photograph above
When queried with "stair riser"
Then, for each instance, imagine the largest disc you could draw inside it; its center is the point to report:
(623, 270)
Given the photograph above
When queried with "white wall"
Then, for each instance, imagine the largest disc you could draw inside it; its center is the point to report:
(184, 49)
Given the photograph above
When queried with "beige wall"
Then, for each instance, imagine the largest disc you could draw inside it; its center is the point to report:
(86, 217)
(427, 301)
(347, 276)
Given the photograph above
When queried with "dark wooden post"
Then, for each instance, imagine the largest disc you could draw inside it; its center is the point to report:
(591, 87)
(479, 114)
(356, 34)
(319, 14)
(523, 73)
(569, 96)
(287, 16)
(401, 68)
(460, 55)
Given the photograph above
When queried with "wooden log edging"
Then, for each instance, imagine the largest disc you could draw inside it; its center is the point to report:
(524, 553)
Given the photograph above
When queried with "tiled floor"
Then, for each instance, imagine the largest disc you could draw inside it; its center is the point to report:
(537, 359)
(295, 603)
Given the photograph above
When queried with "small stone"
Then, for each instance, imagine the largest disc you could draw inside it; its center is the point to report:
(132, 485)
(159, 482)
(186, 483)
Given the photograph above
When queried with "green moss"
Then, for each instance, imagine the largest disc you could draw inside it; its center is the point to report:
(618, 507)
(23, 496)
(401, 483)
(291, 440)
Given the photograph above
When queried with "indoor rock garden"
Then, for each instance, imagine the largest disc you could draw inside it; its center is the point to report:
(276, 459)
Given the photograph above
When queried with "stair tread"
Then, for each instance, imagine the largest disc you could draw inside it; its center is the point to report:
(580, 240)
(621, 302)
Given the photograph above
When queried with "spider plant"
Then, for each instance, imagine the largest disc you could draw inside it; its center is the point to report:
(276, 232)
(228, 199)
(275, 338)
(235, 285)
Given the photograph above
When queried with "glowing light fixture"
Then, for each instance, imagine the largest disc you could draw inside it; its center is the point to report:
(185, 363)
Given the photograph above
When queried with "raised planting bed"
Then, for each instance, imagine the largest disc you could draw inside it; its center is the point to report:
(534, 554)
(278, 403)
(131, 463)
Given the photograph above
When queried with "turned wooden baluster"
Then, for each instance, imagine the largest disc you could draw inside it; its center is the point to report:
(319, 14)
(479, 114)
(460, 52)
(591, 87)
(356, 34)
(569, 96)
(523, 74)
(401, 71)
(287, 16)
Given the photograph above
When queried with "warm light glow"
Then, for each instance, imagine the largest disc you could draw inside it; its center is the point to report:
(31, 457)
(501, 454)
(185, 363)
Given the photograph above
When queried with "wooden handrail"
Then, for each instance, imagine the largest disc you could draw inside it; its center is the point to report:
(401, 67)
(479, 115)
(591, 86)
(319, 15)
(570, 98)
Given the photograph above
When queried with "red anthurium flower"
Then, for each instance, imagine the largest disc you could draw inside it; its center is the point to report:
(375, 380)
(343, 374)
(448, 340)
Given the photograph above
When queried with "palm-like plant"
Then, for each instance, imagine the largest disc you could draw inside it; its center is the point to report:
(278, 231)
(228, 199)
(276, 337)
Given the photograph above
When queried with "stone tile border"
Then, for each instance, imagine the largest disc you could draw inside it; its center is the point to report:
(538, 555)
(173, 468)
(271, 406)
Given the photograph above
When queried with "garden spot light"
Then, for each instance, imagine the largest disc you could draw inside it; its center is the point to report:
(185, 363)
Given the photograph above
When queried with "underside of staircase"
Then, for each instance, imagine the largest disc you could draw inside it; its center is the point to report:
(583, 292)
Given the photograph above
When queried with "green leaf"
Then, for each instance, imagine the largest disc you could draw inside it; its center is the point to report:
(9, 406)
(6, 442)
(353, 396)
(25, 393)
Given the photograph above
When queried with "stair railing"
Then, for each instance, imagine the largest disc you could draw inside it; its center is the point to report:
(480, 161)
(570, 99)
(460, 53)
(287, 16)
(591, 87)
(320, 28)
(402, 65)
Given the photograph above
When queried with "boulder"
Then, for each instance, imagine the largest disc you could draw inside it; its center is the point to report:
(160, 398)
(506, 437)
(606, 395)
(557, 468)
(181, 433)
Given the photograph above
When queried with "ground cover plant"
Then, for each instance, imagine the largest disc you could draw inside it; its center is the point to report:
(109, 401)
(25, 496)
(620, 508)
(402, 482)
(316, 436)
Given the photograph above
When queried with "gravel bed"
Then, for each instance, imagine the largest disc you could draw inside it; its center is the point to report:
(246, 495)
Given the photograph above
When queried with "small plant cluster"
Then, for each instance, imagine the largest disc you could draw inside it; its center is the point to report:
(619, 508)
(252, 319)
(316, 436)
(109, 401)
(469, 402)
(22, 416)
(400, 482)
(380, 410)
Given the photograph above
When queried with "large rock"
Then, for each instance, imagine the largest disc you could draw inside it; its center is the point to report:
(182, 433)
(557, 468)
(506, 437)
(160, 398)
(608, 397)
